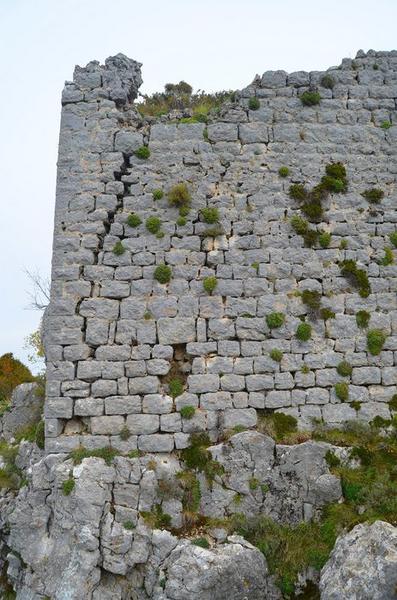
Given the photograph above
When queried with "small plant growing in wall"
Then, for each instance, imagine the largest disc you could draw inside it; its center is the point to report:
(68, 486)
(357, 277)
(375, 341)
(283, 171)
(179, 195)
(297, 191)
(187, 412)
(253, 103)
(275, 320)
(210, 283)
(125, 433)
(276, 355)
(134, 220)
(388, 258)
(362, 318)
(210, 215)
(342, 391)
(153, 224)
(118, 248)
(163, 273)
(310, 98)
(312, 299)
(143, 153)
(393, 238)
(304, 332)
(158, 194)
(202, 542)
(324, 239)
(373, 195)
(181, 221)
(327, 81)
(344, 369)
(327, 313)
(385, 124)
(175, 387)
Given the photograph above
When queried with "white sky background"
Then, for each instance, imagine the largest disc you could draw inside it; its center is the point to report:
(214, 45)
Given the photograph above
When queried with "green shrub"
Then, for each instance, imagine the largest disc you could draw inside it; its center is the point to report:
(331, 459)
(181, 221)
(283, 171)
(253, 483)
(179, 195)
(153, 224)
(210, 283)
(40, 435)
(118, 248)
(342, 391)
(375, 341)
(187, 412)
(312, 299)
(196, 456)
(385, 124)
(184, 211)
(253, 103)
(143, 152)
(357, 277)
(163, 273)
(310, 238)
(108, 454)
(343, 244)
(313, 210)
(336, 170)
(275, 320)
(210, 215)
(129, 525)
(362, 318)
(134, 220)
(304, 332)
(310, 98)
(68, 486)
(297, 191)
(388, 258)
(158, 194)
(202, 542)
(356, 405)
(393, 238)
(327, 81)
(156, 518)
(299, 225)
(324, 239)
(125, 433)
(276, 355)
(373, 195)
(327, 313)
(284, 424)
(393, 402)
(344, 368)
(375, 67)
(175, 387)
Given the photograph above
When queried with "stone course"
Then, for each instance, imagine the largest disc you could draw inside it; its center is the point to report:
(115, 337)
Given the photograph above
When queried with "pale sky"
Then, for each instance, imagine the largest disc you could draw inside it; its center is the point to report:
(214, 45)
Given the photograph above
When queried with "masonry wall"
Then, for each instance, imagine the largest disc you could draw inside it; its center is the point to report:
(115, 337)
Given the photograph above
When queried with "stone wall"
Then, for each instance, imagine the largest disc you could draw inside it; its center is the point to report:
(115, 337)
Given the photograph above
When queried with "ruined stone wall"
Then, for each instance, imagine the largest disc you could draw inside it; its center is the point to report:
(115, 337)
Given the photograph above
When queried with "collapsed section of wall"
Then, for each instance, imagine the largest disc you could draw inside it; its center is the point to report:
(167, 318)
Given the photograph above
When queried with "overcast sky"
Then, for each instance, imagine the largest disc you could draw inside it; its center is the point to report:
(214, 45)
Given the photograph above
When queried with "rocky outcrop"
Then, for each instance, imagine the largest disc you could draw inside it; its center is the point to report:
(25, 408)
(75, 528)
(363, 565)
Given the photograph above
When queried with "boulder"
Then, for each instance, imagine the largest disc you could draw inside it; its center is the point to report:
(363, 565)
